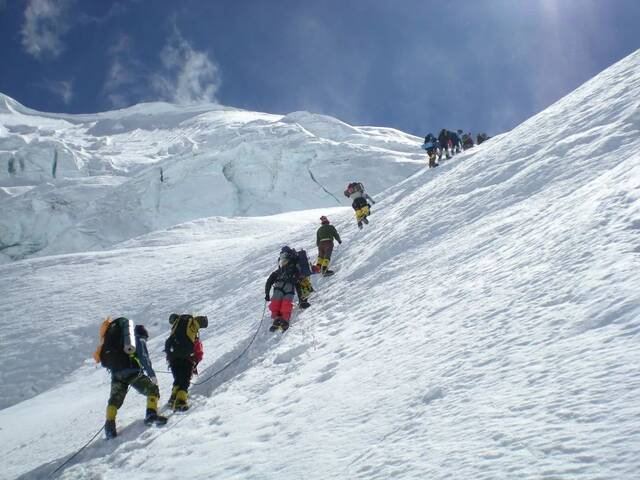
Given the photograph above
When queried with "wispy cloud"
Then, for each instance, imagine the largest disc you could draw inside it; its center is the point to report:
(188, 76)
(116, 9)
(125, 77)
(45, 23)
(63, 89)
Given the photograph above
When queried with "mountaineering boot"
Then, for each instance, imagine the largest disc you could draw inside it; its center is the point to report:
(306, 288)
(181, 404)
(284, 325)
(365, 220)
(277, 323)
(172, 398)
(360, 225)
(110, 429)
(304, 304)
(328, 273)
(152, 418)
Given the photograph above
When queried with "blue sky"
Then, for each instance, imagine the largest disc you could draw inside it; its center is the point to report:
(416, 65)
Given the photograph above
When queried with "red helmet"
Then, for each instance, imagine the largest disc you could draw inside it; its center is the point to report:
(324, 220)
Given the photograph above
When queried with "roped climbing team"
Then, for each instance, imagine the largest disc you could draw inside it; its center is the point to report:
(123, 346)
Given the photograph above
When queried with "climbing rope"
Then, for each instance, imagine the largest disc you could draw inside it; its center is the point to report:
(76, 454)
(239, 356)
(84, 446)
(209, 378)
(255, 334)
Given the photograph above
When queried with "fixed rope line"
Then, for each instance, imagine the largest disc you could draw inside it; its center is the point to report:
(322, 186)
(75, 454)
(239, 356)
(66, 462)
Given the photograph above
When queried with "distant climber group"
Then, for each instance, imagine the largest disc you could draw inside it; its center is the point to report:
(123, 348)
(448, 143)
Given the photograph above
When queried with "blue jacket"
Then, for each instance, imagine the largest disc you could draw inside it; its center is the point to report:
(430, 144)
(140, 359)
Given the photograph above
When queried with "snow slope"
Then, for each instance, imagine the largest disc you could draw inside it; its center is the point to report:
(484, 326)
(87, 182)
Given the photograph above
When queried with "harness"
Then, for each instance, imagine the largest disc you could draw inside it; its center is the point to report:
(287, 276)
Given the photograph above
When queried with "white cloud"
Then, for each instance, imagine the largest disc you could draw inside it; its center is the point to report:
(45, 22)
(186, 76)
(189, 75)
(125, 83)
(115, 10)
(62, 88)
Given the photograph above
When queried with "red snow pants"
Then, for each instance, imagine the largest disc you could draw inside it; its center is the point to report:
(281, 307)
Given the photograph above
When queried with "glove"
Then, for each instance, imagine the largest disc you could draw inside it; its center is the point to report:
(154, 380)
(267, 297)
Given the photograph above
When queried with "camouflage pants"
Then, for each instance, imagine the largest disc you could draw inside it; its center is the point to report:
(139, 382)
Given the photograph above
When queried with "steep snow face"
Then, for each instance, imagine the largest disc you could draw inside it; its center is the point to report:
(483, 326)
(156, 165)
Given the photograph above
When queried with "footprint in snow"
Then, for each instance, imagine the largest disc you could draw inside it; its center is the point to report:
(432, 394)
(325, 376)
(328, 371)
(290, 354)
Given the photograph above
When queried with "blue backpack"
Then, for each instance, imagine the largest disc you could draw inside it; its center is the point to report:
(298, 258)
(303, 263)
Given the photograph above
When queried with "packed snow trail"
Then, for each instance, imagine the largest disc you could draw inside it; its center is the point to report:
(222, 370)
(484, 325)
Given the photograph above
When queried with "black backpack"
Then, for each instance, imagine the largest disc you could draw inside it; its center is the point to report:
(112, 354)
(184, 333)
